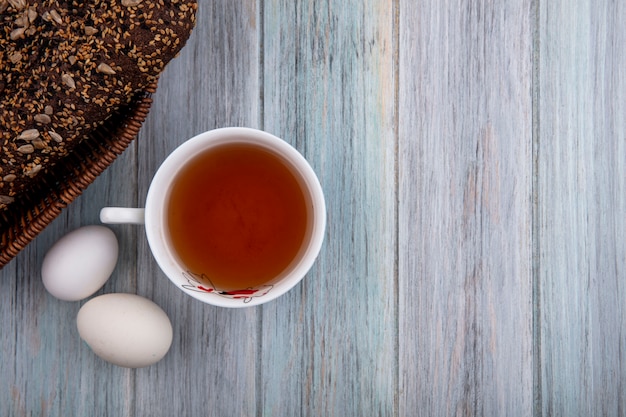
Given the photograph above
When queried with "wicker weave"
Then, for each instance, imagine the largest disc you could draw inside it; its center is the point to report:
(28, 216)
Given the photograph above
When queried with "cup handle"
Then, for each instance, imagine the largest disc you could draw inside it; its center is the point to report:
(122, 215)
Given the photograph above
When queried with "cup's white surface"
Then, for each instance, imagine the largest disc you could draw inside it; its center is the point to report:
(155, 211)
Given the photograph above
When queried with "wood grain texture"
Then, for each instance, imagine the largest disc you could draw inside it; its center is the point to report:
(473, 157)
(582, 200)
(45, 368)
(465, 140)
(329, 348)
(211, 367)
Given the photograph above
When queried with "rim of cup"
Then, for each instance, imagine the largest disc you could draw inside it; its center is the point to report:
(156, 230)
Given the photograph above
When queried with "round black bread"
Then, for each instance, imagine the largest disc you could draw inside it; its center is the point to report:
(67, 66)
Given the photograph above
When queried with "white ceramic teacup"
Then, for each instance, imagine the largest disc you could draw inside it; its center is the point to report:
(195, 283)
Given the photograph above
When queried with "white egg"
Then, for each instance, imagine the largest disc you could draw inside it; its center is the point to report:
(125, 329)
(79, 263)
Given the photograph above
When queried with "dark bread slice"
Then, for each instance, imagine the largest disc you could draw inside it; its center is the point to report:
(67, 66)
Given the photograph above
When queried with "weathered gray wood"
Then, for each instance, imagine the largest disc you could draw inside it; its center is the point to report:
(329, 347)
(582, 208)
(473, 156)
(465, 186)
(211, 367)
(45, 368)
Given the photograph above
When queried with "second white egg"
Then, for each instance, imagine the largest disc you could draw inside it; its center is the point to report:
(125, 329)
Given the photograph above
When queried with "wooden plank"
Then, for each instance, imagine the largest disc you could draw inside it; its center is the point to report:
(582, 189)
(328, 348)
(211, 367)
(465, 217)
(46, 369)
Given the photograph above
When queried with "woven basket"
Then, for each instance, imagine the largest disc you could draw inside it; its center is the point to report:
(28, 216)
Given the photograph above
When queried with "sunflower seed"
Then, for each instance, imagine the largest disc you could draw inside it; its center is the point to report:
(68, 80)
(32, 15)
(42, 118)
(55, 136)
(90, 30)
(26, 149)
(39, 144)
(131, 3)
(29, 135)
(17, 34)
(5, 199)
(22, 21)
(33, 171)
(56, 17)
(18, 4)
(15, 57)
(105, 69)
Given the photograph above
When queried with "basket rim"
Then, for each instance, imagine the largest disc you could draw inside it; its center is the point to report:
(71, 176)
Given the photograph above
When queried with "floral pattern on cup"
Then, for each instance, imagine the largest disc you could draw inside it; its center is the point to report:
(201, 283)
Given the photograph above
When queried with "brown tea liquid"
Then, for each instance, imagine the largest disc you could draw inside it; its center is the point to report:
(238, 215)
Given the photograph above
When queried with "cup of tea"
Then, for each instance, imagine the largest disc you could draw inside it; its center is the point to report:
(234, 217)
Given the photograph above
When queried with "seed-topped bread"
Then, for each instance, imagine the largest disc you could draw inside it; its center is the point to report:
(67, 66)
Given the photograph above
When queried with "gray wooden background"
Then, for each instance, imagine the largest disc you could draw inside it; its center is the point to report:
(473, 157)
